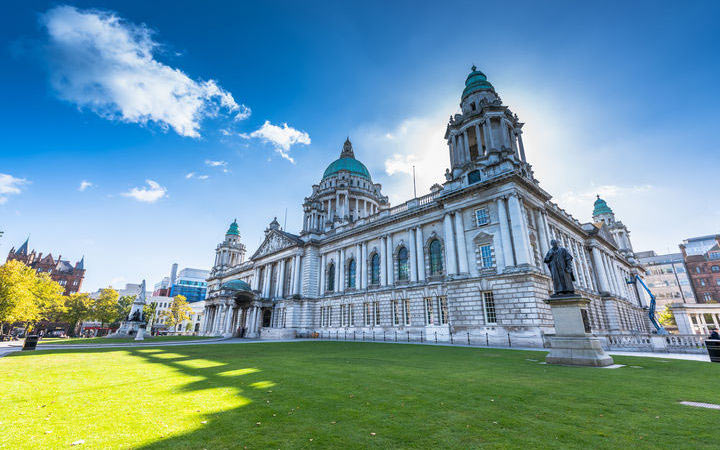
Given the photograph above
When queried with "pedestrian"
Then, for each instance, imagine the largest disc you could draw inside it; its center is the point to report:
(714, 335)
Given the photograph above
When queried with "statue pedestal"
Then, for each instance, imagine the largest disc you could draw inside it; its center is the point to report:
(573, 344)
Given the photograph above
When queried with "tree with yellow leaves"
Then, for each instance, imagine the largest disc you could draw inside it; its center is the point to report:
(178, 312)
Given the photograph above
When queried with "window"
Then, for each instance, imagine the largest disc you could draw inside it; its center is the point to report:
(368, 314)
(342, 316)
(396, 312)
(474, 176)
(482, 217)
(377, 313)
(486, 256)
(714, 255)
(697, 269)
(436, 259)
(702, 282)
(428, 311)
(443, 310)
(489, 308)
(403, 271)
(717, 281)
(329, 315)
(715, 268)
(707, 297)
(406, 311)
(375, 269)
(351, 274)
(331, 277)
(351, 315)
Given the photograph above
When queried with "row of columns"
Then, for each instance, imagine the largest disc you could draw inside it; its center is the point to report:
(224, 319)
(293, 264)
(460, 142)
(514, 232)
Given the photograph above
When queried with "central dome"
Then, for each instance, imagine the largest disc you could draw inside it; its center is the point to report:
(348, 163)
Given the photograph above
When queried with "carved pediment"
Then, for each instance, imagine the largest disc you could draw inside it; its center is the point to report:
(273, 243)
(482, 237)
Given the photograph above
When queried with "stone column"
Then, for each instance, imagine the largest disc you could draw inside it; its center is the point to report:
(411, 254)
(450, 259)
(507, 251)
(337, 274)
(358, 266)
(203, 325)
(520, 144)
(466, 147)
(383, 258)
(599, 270)
(420, 253)
(281, 279)
(480, 145)
(517, 226)
(488, 133)
(363, 266)
(389, 261)
(340, 287)
(228, 321)
(461, 246)
(542, 237)
(323, 263)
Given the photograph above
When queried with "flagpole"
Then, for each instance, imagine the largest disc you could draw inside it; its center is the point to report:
(414, 185)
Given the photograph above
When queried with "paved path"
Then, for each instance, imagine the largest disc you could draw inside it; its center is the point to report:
(9, 347)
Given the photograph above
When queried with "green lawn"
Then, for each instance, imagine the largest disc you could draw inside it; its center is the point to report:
(104, 340)
(348, 395)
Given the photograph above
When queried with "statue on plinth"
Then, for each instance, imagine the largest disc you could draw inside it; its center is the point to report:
(559, 261)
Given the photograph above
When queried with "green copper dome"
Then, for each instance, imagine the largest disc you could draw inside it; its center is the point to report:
(233, 230)
(347, 162)
(476, 81)
(601, 207)
(236, 285)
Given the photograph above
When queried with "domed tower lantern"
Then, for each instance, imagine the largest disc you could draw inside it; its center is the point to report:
(230, 252)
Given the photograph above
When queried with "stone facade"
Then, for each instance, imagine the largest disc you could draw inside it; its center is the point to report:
(467, 257)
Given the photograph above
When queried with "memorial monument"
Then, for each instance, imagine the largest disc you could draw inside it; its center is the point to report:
(134, 324)
(573, 343)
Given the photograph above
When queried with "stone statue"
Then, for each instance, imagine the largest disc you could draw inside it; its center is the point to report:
(559, 261)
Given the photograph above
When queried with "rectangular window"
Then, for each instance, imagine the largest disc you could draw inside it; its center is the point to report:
(406, 311)
(486, 255)
(428, 311)
(329, 314)
(482, 217)
(489, 308)
(342, 315)
(368, 314)
(351, 315)
(395, 312)
(443, 310)
(377, 313)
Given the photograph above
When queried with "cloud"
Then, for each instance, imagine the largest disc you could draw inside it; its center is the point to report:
(212, 163)
(608, 191)
(103, 63)
(84, 185)
(282, 138)
(10, 185)
(199, 177)
(190, 175)
(149, 194)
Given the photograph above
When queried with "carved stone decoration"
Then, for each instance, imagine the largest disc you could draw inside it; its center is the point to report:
(273, 242)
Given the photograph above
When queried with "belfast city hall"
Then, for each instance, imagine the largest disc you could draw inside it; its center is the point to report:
(465, 259)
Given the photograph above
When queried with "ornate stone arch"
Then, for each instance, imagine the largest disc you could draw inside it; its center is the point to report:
(350, 279)
(427, 263)
(396, 261)
(480, 240)
(330, 276)
(369, 266)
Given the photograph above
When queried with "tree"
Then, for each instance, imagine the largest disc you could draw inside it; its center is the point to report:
(49, 298)
(667, 319)
(17, 300)
(78, 308)
(124, 305)
(149, 314)
(105, 308)
(178, 312)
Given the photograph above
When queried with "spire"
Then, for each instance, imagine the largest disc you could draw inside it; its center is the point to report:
(23, 248)
(81, 264)
(347, 150)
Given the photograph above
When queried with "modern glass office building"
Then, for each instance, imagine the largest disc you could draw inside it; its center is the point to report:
(190, 283)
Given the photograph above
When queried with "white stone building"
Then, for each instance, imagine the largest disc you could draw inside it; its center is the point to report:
(468, 257)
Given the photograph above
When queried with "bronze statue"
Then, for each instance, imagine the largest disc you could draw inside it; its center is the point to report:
(559, 261)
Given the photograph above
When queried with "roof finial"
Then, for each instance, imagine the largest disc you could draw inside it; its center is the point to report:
(347, 150)
(474, 68)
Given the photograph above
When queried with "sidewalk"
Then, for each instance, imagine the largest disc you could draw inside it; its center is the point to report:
(9, 347)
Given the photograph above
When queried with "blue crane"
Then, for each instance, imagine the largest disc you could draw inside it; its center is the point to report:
(651, 312)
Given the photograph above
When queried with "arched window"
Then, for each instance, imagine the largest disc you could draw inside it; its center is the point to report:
(436, 259)
(375, 269)
(331, 277)
(351, 273)
(402, 259)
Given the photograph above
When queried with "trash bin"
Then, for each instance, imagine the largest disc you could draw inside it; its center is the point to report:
(713, 348)
(32, 340)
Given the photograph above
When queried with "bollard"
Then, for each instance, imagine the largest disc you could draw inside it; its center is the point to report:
(363, 335)
(436, 337)
(451, 337)
(487, 339)
(421, 336)
(408, 333)
(383, 335)
(395, 335)
(468, 333)
(353, 335)
(509, 343)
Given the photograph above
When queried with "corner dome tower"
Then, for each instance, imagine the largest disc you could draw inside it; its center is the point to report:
(476, 81)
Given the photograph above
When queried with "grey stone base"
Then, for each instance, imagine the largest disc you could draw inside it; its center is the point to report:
(277, 333)
(577, 351)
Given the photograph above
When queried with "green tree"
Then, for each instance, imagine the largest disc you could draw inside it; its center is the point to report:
(105, 308)
(124, 304)
(17, 300)
(178, 312)
(49, 298)
(667, 319)
(149, 314)
(79, 307)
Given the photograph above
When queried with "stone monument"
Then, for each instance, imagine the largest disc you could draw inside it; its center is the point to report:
(134, 324)
(573, 343)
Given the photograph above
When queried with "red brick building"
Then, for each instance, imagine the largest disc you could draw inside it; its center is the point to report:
(67, 275)
(702, 259)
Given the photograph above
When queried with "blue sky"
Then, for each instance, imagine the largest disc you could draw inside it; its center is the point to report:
(617, 99)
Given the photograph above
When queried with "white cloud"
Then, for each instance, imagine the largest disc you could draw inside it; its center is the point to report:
(190, 175)
(282, 138)
(10, 185)
(199, 177)
(212, 163)
(84, 185)
(149, 194)
(203, 177)
(608, 191)
(103, 63)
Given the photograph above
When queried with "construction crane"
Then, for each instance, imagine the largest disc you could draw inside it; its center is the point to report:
(651, 312)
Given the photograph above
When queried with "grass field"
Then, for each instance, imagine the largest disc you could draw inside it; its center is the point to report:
(348, 395)
(104, 340)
